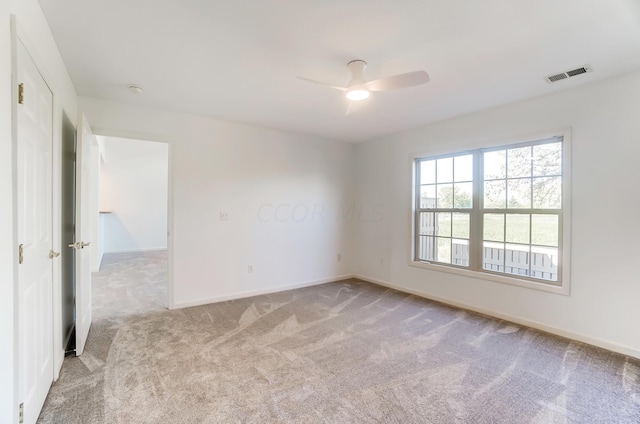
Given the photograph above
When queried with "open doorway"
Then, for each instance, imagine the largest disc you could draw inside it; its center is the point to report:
(130, 259)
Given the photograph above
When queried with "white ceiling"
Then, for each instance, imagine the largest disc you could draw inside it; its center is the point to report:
(238, 60)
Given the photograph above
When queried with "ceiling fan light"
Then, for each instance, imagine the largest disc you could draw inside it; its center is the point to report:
(357, 94)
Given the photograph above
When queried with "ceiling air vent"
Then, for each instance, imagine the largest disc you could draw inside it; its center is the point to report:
(567, 74)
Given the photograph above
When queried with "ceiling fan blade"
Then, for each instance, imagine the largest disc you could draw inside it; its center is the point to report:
(351, 107)
(354, 106)
(322, 83)
(399, 81)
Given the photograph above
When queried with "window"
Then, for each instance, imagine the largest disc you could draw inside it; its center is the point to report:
(496, 211)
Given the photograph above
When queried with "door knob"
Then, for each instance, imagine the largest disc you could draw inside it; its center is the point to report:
(53, 254)
(75, 245)
(83, 244)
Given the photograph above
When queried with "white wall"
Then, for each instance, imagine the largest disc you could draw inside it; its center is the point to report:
(257, 176)
(133, 188)
(97, 250)
(603, 305)
(32, 28)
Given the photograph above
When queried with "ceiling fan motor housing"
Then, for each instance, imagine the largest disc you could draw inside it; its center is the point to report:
(357, 89)
(357, 69)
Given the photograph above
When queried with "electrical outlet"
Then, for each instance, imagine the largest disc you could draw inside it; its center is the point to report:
(339, 257)
(224, 216)
(250, 269)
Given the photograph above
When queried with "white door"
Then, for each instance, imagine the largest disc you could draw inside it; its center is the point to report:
(83, 232)
(35, 271)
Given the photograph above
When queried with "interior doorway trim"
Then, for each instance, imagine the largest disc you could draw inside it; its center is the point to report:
(104, 132)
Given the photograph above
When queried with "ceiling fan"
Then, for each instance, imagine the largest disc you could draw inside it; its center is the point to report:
(359, 89)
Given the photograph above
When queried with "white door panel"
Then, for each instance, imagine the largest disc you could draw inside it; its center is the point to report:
(83, 232)
(35, 273)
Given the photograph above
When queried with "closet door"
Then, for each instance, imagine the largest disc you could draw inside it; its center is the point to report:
(35, 253)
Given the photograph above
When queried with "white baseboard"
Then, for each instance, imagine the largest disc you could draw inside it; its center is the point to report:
(150, 249)
(605, 344)
(100, 257)
(251, 293)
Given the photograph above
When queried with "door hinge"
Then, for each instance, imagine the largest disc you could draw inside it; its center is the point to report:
(21, 93)
(21, 414)
(20, 254)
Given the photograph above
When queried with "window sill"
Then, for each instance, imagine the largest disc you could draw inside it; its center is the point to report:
(512, 281)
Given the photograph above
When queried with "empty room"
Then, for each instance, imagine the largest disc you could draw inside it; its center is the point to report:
(357, 212)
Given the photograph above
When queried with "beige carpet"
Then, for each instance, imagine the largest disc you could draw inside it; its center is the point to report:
(345, 352)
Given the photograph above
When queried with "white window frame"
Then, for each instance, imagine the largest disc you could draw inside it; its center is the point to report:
(563, 285)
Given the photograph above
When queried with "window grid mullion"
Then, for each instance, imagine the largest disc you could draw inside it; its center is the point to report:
(475, 230)
(416, 221)
(531, 188)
